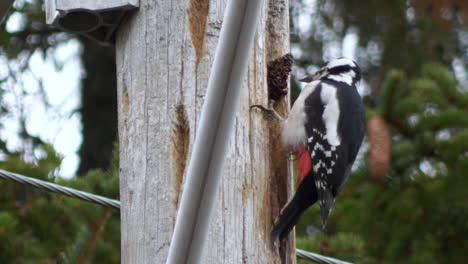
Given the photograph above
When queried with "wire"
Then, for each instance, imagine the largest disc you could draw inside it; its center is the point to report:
(52, 187)
(60, 189)
(318, 258)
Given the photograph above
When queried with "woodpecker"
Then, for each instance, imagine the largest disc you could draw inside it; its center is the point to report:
(325, 129)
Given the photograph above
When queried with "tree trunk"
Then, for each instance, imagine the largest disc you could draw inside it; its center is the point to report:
(98, 106)
(164, 57)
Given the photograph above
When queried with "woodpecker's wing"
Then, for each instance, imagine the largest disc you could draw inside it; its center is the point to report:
(328, 151)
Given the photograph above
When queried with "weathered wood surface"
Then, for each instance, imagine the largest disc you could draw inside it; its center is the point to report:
(164, 55)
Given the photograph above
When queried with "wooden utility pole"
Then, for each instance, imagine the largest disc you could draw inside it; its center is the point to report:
(164, 55)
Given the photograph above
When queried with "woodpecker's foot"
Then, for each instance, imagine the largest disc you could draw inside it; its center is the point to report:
(268, 112)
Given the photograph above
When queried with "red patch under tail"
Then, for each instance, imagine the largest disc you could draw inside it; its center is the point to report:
(304, 164)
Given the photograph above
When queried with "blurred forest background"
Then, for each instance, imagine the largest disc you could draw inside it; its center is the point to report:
(406, 202)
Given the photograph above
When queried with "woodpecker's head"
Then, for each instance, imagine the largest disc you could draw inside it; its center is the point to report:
(340, 70)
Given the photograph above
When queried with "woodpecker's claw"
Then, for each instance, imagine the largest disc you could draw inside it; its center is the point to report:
(261, 108)
(268, 112)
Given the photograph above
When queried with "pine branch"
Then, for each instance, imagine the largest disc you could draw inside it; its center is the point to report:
(98, 228)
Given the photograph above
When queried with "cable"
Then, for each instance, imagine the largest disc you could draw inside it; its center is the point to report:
(318, 258)
(60, 189)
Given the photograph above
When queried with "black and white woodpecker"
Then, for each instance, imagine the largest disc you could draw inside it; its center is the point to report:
(325, 129)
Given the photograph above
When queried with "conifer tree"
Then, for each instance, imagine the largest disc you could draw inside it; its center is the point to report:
(37, 226)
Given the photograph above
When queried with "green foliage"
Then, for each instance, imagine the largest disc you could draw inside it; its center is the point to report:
(42, 227)
(395, 34)
(32, 33)
(390, 90)
(419, 214)
(344, 246)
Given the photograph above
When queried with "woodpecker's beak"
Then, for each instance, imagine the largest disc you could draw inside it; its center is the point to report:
(319, 74)
(307, 79)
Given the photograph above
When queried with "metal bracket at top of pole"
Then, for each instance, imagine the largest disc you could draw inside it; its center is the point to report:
(216, 126)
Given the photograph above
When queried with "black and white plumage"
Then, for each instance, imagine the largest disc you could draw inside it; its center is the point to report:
(327, 123)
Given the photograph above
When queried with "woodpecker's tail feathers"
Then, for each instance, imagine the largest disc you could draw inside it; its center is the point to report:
(326, 201)
(288, 218)
(306, 195)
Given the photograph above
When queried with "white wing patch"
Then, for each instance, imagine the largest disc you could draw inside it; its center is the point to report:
(293, 131)
(331, 113)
